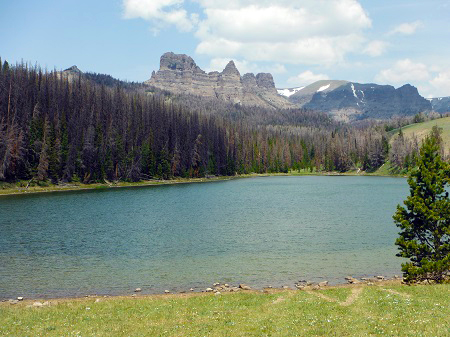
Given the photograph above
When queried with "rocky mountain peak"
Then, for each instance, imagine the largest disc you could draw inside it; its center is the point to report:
(73, 69)
(408, 89)
(249, 80)
(70, 73)
(181, 62)
(179, 73)
(265, 80)
(231, 69)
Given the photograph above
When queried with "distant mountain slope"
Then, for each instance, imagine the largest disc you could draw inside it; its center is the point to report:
(73, 73)
(179, 73)
(440, 104)
(306, 94)
(349, 101)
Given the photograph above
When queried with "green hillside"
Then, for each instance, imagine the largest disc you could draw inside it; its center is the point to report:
(420, 130)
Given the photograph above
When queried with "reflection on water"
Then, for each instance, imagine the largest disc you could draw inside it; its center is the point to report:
(261, 231)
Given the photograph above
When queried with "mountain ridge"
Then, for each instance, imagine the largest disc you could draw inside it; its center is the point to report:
(348, 101)
(179, 73)
(343, 100)
(440, 104)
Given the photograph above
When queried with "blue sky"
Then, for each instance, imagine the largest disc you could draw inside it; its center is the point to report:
(299, 42)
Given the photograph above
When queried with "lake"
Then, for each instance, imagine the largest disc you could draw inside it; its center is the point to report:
(259, 231)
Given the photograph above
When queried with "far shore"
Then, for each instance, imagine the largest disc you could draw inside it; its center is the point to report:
(14, 189)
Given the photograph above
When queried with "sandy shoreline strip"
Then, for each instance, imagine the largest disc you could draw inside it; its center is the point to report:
(213, 290)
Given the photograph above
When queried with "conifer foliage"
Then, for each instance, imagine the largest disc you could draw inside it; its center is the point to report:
(89, 128)
(425, 222)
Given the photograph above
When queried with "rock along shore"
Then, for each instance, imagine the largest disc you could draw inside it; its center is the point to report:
(220, 288)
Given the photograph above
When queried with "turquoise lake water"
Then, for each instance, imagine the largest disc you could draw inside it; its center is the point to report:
(259, 231)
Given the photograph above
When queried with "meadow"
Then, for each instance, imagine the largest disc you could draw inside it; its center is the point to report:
(385, 308)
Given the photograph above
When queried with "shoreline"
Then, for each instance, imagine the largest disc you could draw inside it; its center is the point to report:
(224, 287)
(385, 308)
(71, 187)
(212, 290)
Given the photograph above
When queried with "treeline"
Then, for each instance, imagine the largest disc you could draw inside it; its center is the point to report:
(253, 115)
(109, 81)
(53, 128)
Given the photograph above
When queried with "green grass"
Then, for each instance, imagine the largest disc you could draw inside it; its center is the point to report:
(20, 186)
(403, 311)
(420, 130)
(384, 170)
(389, 171)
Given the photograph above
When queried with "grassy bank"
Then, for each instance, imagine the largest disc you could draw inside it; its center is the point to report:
(420, 130)
(381, 309)
(20, 187)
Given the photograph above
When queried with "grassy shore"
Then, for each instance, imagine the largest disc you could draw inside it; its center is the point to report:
(21, 187)
(387, 309)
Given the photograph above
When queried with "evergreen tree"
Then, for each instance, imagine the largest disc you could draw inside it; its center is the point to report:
(5, 67)
(196, 156)
(147, 161)
(163, 170)
(425, 222)
(175, 162)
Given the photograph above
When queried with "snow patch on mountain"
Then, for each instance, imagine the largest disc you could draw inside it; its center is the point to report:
(289, 91)
(354, 92)
(325, 87)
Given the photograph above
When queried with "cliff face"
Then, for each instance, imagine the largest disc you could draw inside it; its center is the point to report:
(71, 73)
(349, 101)
(179, 73)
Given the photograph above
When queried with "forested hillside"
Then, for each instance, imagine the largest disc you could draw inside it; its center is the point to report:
(57, 129)
(405, 142)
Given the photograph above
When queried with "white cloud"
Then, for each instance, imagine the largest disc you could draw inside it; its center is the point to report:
(311, 32)
(277, 23)
(407, 28)
(431, 80)
(277, 68)
(306, 78)
(314, 50)
(161, 13)
(376, 48)
(317, 32)
(404, 71)
(441, 84)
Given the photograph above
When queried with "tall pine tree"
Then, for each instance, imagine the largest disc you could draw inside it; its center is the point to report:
(425, 222)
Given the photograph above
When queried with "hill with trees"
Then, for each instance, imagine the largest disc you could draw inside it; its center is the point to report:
(405, 141)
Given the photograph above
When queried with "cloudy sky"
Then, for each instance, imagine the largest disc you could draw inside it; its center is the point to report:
(298, 41)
